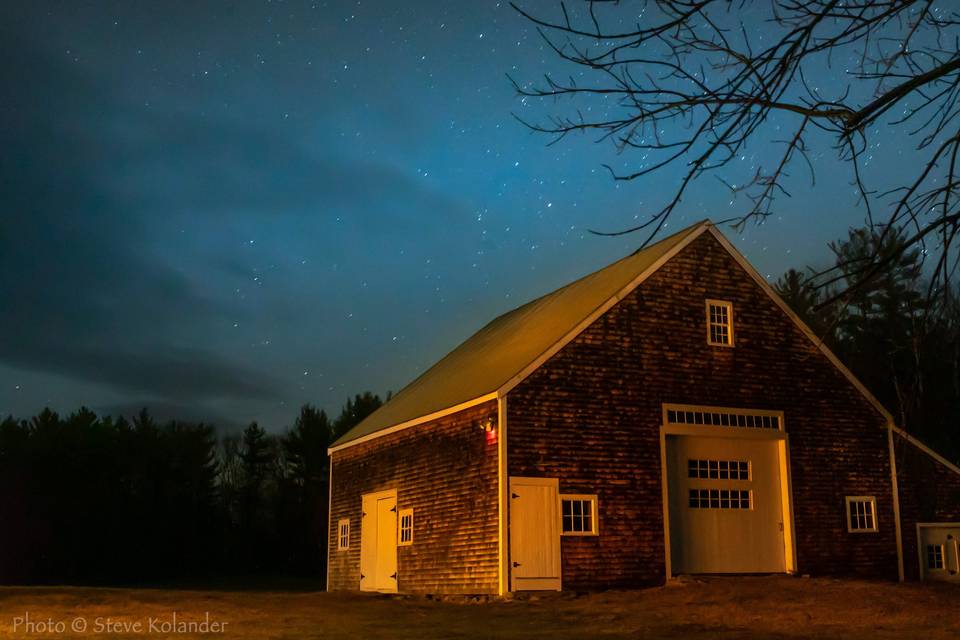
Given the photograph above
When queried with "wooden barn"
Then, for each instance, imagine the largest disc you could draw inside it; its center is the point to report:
(665, 415)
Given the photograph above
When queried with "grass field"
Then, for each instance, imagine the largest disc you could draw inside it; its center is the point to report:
(750, 607)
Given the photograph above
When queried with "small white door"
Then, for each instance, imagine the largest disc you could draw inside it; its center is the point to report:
(378, 542)
(939, 551)
(534, 534)
(725, 505)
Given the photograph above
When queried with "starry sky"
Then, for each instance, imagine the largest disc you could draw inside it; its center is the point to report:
(224, 210)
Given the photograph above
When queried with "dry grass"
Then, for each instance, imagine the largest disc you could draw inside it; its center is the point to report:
(751, 607)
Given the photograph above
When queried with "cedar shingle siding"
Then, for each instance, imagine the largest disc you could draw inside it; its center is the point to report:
(929, 492)
(446, 472)
(591, 417)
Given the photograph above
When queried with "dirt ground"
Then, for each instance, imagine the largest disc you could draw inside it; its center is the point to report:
(745, 607)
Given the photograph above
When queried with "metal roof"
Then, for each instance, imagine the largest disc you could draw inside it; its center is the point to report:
(504, 348)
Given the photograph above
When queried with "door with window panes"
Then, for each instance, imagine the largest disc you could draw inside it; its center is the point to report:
(725, 505)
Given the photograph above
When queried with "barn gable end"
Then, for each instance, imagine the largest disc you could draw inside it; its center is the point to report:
(591, 416)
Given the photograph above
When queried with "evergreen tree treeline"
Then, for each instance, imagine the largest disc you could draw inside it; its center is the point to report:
(96, 500)
(896, 334)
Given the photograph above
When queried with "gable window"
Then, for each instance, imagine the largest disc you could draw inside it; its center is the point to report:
(861, 514)
(405, 529)
(578, 515)
(343, 534)
(934, 556)
(719, 323)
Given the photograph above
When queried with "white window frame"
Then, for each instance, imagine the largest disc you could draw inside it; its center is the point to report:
(730, 334)
(590, 498)
(872, 501)
(343, 534)
(401, 514)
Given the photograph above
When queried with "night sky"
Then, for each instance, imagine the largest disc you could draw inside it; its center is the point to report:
(225, 210)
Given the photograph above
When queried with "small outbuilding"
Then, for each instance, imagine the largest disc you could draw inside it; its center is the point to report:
(665, 415)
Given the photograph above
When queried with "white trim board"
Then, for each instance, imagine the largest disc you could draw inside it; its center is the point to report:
(924, 448)
(412, 423)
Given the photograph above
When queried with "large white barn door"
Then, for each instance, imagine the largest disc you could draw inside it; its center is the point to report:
(378, 542)
(534, 534)
(725, 505)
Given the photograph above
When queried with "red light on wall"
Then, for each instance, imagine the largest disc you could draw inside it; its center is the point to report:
(489, 427)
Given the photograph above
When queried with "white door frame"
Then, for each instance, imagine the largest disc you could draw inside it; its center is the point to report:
(532, 584)
(708, 431)
(374, 497)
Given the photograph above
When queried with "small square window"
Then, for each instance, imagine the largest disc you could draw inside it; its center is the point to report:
(719, 323)
(343, 534)
(578, 515)
(861, 514)
(405, 528)
(934, 556)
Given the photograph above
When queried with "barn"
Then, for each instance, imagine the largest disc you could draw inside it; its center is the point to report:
(665, 415)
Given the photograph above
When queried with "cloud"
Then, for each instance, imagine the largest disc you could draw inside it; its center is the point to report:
(82, 296)
(93, 185)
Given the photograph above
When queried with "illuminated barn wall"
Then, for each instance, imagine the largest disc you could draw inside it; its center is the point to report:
(591, 416)
(446, 471)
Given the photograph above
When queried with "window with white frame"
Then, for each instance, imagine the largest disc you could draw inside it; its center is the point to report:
(720, 323)
(934, 556)
(405, 528)
(861, 514)
(343, 534)
(578, 515)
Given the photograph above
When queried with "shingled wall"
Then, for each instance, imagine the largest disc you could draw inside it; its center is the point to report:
(590, 416)
(446, 470)
(929, 492)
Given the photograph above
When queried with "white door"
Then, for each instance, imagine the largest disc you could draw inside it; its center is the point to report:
(378, 542)
(939, 551)
(534, 534)
(725, 505)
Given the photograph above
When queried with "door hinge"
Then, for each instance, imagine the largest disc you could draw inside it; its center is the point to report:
(394, 509)
(514, 495)
(362, 576)
(394, 576)
(516, 564)
(363, 514)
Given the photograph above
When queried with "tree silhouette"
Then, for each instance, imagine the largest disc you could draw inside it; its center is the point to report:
(354, 411)
(690, 83)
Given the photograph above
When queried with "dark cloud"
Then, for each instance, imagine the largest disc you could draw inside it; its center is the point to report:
(82, 198)
(81, 295)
